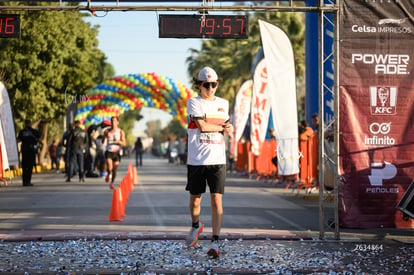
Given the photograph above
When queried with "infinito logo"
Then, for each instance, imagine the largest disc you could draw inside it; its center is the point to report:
(383, 100)
(377, 128)
(375, 140)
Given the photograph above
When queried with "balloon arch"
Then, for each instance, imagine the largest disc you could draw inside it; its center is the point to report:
(133, 91)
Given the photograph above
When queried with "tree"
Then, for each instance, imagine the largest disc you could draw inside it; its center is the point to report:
(175, 130)
(127, 121)
(232, 59)
(54, 61)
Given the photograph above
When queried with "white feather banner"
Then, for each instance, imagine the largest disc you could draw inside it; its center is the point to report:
(280, 65)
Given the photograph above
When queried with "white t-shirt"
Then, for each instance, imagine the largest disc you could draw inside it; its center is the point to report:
(206, 148)
(112, 145)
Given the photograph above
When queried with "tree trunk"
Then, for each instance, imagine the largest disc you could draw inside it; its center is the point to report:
(43, 143)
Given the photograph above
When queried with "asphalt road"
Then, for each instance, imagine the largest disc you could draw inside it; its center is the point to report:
(159, 203)
(57, 227)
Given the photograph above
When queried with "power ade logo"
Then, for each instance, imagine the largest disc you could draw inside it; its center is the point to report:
(379, 136)
(387, 25)
(385, 64)
(380, 172)
(383, 100)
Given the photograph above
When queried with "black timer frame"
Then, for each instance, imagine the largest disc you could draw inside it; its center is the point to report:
(203, 26)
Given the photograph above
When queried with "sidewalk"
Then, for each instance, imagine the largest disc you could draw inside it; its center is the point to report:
(75, 237)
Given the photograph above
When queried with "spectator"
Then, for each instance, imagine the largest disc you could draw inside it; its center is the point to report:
(29, 138)
(139, 150)
(53, 147)
(78, 142)
(306, 132)
(315, 122)
(66, 153)
(182, 150)
(270, 134)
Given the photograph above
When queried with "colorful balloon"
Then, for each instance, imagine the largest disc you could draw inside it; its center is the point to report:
(133, 91)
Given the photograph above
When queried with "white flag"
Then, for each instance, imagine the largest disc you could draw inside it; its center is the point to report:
(242, 108)
(8, 133)
(259, 117)
(241, 112)
(280, 65)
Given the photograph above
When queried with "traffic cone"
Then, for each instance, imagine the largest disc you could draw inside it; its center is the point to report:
(115, 213)
(134, 175)
(129, 183)
(128, 176)
(125, 190)
(122, 201)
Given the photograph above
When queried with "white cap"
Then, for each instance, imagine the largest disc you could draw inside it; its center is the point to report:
(207, 74)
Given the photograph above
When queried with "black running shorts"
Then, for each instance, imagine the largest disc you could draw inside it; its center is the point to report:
(115, 156)
(199, 176)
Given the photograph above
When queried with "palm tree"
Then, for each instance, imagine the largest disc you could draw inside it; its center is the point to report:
(232, 58)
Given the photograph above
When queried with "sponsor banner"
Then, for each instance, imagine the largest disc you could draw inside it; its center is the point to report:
(241, 112)
(260, 108)
(282, 95)
(376, 99)
(7, 131)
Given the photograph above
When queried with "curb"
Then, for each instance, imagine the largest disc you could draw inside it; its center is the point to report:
(58, 235)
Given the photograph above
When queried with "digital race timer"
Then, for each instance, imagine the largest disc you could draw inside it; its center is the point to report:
(203, 26)
(9, 25)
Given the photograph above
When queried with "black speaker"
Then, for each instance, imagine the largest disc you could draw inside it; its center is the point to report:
(406, 204)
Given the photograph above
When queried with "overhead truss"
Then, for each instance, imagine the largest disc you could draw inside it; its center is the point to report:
(286, 6)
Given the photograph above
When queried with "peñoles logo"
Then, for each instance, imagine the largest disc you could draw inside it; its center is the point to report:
(379, 173)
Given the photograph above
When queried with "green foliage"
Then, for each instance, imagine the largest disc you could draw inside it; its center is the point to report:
(154, 127)
(176, 130)
(126, 122)
(56, 58)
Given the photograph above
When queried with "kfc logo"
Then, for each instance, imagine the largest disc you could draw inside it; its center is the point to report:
(383, 100)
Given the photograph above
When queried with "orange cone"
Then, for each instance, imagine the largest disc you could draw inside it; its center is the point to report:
(130, 184)
(129, 173)
(134, 175)
(122, 201)
(115, 213)
(125, 189)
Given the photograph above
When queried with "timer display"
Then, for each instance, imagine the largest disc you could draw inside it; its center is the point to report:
(9, 26)
(203, 26)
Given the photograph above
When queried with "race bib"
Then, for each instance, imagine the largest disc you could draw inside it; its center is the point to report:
(212, 138)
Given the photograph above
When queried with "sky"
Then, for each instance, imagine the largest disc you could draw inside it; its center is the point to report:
(130, 42)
